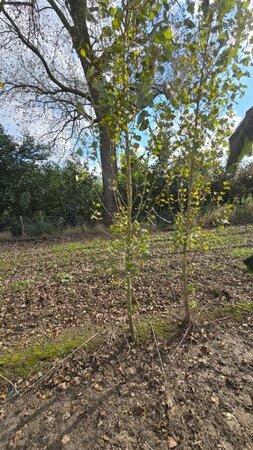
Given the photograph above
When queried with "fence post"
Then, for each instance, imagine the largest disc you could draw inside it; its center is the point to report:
(22, 226)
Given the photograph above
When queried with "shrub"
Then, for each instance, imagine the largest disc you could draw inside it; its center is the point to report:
(220, 215)
(243, 211)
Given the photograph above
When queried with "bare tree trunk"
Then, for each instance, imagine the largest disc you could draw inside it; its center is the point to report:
(108, 164)
(81, 39)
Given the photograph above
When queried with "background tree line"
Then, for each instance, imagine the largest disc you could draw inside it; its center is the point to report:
(51, 196)
(175, 58)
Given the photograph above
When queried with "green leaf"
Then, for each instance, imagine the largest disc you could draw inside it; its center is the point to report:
(116, 23)
(167, 34)
(222, 36)
(144, 125)
(189, 23)
(142, 116)
(90, 73)
(79, 108)
(117, 18)
(107, 32)
(112, 11)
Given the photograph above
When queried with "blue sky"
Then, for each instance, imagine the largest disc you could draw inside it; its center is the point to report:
(247, 101)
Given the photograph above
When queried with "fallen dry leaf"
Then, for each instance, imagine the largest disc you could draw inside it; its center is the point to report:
(171, 442)
(65, 440)
(66, 415)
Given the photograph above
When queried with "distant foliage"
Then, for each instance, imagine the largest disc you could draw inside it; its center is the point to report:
(243, 211)
(48, 196)
(242, 182)
(236, 204)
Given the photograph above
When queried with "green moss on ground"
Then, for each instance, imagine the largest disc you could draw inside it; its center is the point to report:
(26, 361)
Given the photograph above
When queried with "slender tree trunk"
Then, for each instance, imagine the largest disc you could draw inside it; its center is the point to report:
(185, 262)
(185, 285)
(129, 256)
(108, 165)
(22, 226)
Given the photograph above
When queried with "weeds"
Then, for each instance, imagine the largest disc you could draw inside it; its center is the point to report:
(20, 285)
(242, 252)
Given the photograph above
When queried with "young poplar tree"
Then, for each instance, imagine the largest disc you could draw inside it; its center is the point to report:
(201, 83)
(143, 34)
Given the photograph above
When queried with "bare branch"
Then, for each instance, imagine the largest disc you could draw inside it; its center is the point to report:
(19, 4)
(61, 16)
(49, 97)
(36, 51)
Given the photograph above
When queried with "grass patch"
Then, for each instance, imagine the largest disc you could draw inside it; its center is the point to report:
(163, 329)
(24, 362)
(63, 277)
(242, 307)
(20, 285)
(9, 263)
(236, 311)
(97, 254)
(93, 246)
(221, 237)
(31, 359)
(231, 237)
(69, 247)
(242, 252)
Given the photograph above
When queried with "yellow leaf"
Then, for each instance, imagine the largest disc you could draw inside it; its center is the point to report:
(83, 52)
(2, 84)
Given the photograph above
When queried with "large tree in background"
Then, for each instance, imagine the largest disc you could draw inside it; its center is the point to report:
(59, 54)
(241, 141)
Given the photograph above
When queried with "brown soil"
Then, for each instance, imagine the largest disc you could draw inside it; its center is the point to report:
(189, 389)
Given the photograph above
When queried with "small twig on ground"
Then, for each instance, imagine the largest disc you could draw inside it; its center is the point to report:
(8, 381)
(192, 334)
(181, 341)
(160, 358)
(168, 396)
(151, 448)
